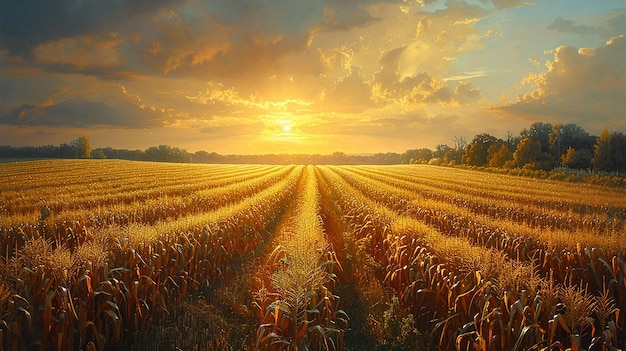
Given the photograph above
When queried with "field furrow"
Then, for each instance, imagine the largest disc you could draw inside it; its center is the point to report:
(93, 191)
(460, 218)
(107, 255)
(425, 266)
(463, 184)
(122, 280)
(297, 304)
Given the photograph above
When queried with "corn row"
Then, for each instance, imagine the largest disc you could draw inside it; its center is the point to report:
(580, 216)
(93, 192)
(475, 298)
(108, 291)
(70, 229)
(542, 194)
(459, 257)
(96, 193)
(562, 254)
(299, 309)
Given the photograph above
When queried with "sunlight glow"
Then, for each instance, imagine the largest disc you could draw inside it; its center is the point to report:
(285, 125)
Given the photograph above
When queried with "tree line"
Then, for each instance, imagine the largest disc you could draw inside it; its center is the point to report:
(542, 146)
(81, 148)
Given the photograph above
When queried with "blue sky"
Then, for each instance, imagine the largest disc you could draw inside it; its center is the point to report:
(275, 76)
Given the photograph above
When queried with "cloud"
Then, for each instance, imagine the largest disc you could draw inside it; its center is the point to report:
(343, 15)
(26, 24)
(230, 41)
(215, 100)
(185, 38)
(420, 89)
(465, 93)
(94, 55)
(598, 25)
(216, 40)
(350, 94)
(504, 4)
(580, 86)
(563, 25)
(81, 113)
(172, 44)
(234, 40)
(384, 70)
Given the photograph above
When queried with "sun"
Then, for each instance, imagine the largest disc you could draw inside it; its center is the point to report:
(285, 125)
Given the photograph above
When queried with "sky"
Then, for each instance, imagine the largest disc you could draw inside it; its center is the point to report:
(306, 76)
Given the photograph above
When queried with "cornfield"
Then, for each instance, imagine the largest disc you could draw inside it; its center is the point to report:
(107, 255)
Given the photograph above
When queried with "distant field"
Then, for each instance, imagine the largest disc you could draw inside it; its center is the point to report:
(107, 255)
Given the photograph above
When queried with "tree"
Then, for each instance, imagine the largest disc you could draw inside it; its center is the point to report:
(499, 154)
(417, 156)
(539, 131)
(98, 153)
(441, 150)
(572, 135)
(565, 136)
(66, 151)
(577, 159)
(477, 152)
(610, 152)
(453, 156)
(459, 142)
(512, 141)
(554, 138)
(530, 155)
(82, 148)
(167, 153)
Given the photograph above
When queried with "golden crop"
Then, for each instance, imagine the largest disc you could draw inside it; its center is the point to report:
(105, 255)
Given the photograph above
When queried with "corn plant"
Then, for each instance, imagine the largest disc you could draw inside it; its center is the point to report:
(101, 255)
(305, 315)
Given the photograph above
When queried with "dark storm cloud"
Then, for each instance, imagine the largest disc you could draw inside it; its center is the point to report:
(24, 24)
(80, 112)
